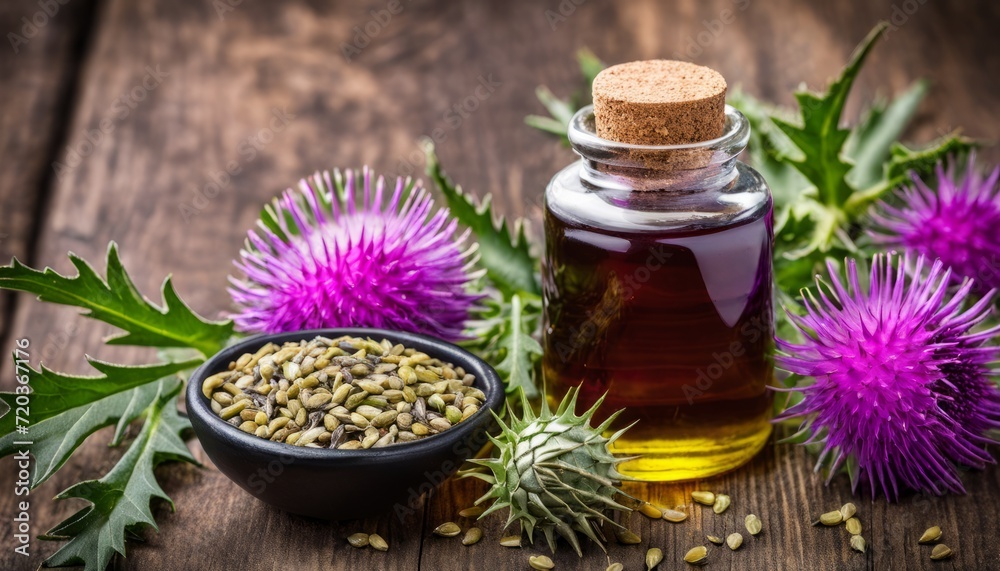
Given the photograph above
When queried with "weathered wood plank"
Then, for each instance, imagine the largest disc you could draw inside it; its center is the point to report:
(38, 66)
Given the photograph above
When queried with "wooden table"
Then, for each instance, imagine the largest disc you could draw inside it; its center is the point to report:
(220, 71)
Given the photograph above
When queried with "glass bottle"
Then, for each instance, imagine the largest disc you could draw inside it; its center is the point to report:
(657, 290)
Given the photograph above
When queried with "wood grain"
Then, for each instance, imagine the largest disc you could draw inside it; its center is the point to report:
(272, 77)
(39, 67)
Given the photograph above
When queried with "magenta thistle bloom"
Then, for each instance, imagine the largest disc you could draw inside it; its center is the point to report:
(902, 382)
(317, 258)
(958, 224)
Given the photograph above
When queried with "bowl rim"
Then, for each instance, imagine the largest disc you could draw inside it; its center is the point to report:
(197, 404)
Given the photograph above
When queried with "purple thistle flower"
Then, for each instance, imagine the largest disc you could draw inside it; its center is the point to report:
(958, 224)
(902, 382)
(317, 259)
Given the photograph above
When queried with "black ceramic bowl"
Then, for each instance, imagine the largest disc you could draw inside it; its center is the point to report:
(342, 484)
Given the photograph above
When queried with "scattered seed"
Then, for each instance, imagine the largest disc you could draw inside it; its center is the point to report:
(734, 541)
(653, 558)
(674, 515)
(931, 535)
(722, 502)
(941, 551)
(448, 529)
(831, 518)
(615, 567)
(649, 510)
(858, 543)
(714, 539)
(707, 498)
(848, 510)
(511, 541)
(472, 536)
(541, 562)
(376, 541)
(753, 524)
(627, 536)
(697, 555)
(853, 526)
(358, 539)
(472, 512)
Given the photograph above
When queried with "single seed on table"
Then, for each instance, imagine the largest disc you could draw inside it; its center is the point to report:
(447, 529)
(653, 558)
(831, 518)
(615, 567)
(722, 502)
(931, 535)
(626, 536)
(472, 536)
(358, 539)
(511, 541)
(858, 543)
(848, 510)
(853, 526)
(714, 539)
(697, 555)
(674, 515)
(941, 551)
(753, 523)
(734, 541)
(474, 511)
(649, 510)
(541, 563)
(707, 498)
(376, 541)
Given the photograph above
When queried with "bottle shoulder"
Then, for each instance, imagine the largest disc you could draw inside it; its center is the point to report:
(744, 199)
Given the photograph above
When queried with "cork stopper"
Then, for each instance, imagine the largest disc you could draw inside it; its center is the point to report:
(659, 102)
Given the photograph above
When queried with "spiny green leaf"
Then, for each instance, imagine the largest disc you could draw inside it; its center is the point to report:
(819, 137)
(880, 128)
(120, 501)
(904, 161)
(118, 302)
(520, 350)
(561, 111)
(768, 149)
(503, 251)
(64, 409)
(506, 336)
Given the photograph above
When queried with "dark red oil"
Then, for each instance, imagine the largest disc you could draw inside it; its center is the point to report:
(675, 327)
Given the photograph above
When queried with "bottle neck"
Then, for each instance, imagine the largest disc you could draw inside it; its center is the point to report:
(702, 166)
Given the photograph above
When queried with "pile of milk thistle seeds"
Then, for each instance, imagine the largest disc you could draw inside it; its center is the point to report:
(346, 393)
(846, 515)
